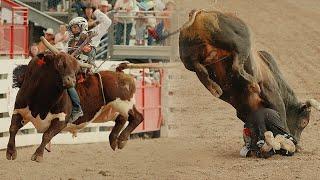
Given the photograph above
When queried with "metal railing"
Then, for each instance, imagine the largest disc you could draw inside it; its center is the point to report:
(141, 44)
(41, 18)
(42, 5)
(17, 35)
(14, 30)
(102, 50)
(138, 19)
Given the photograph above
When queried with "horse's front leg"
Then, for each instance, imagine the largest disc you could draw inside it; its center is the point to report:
(204, 77)
(238, 66)
(55, 127)
(16, 124)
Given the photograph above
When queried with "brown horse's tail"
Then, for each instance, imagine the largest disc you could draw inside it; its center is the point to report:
(18, 75)
(121, 67)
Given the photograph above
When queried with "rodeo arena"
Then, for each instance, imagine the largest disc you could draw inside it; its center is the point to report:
(159, 89)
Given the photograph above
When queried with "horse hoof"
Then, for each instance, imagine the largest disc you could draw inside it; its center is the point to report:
(36, 158)
(299, 148)
(113, 141)
(11, 154)
(113, 145)
(121, 144)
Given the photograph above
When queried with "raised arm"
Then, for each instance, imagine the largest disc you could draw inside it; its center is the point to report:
(102, 28)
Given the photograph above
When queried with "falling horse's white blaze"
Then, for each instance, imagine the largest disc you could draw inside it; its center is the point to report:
(108, 112)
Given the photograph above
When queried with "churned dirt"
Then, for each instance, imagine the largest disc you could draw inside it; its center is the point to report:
(204, 134)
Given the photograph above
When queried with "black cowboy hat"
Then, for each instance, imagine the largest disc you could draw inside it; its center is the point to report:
(89, 5)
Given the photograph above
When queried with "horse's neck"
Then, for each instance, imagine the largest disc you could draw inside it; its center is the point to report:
(222, 75)
(63, 103)
(44, 101)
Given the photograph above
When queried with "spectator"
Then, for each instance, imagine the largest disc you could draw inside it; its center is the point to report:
(52, 5)
(168, 10)
(95, 3)
(105, 7)
(89, 8)
(124, 8)
(78, 7)
(159, 5)
(61, 38)
(49, 36)
(33, 50)
(162, 29)
(142, 21)
(112, 2)
(140, 28)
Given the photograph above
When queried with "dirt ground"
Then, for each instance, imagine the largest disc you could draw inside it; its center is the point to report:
(205, 136)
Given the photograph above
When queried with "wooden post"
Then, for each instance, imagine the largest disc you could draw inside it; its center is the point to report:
(165, 108)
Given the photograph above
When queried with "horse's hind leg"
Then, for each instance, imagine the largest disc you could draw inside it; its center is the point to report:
(135, 118)
(120, 122)
(16, 124)
(55, 127)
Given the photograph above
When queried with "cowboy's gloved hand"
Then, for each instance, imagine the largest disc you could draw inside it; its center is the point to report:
(86, 48)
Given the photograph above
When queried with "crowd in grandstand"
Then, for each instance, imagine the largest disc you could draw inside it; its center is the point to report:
(136, 22)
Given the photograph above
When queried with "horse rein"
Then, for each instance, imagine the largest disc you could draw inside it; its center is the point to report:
(219, 60)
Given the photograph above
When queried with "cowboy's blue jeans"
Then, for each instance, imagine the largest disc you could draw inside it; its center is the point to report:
(75, 99)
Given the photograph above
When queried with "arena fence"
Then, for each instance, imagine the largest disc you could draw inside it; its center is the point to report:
(148, 98)
(14, 29)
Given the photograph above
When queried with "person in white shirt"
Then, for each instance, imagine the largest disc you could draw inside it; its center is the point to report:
(124, 8)
(61, 38)
(159, 5)
(105, 7)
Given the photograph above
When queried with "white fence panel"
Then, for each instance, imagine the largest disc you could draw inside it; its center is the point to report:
(4, 124)
(4, 105)
(22, 140)
(4, 89)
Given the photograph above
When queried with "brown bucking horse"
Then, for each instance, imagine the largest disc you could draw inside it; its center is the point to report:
(43, 100)
(218, 47)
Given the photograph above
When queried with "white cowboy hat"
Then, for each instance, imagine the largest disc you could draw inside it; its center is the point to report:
(49, 31)
(146, 5)
(105, 3)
